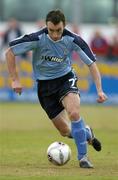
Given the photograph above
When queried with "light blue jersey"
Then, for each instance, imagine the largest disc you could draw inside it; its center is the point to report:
(52, 59)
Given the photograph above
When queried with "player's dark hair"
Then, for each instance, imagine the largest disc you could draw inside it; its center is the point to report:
(55, 16)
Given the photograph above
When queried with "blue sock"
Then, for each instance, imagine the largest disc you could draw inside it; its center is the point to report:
(79, 135)
(88, 135)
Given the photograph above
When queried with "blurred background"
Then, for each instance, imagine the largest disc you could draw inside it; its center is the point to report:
(95, 21)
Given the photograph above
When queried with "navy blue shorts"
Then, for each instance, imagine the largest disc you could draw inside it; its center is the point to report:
(51, 92)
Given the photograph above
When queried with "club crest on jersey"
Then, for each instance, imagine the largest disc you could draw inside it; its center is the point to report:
(65, 51)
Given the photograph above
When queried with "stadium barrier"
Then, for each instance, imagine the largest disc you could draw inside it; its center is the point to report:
(109, 72)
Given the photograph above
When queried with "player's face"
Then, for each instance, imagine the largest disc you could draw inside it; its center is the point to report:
(55, 31)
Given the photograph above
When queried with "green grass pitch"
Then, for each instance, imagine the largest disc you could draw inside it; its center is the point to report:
(26, 132)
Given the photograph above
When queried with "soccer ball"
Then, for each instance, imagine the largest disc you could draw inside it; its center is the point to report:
(58, 153)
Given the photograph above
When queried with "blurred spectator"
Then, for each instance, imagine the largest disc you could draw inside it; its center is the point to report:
(13, 31)
(99, 45)
(113, 49)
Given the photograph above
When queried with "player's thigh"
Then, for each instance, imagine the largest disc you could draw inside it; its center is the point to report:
(71, 102)
(62, 123)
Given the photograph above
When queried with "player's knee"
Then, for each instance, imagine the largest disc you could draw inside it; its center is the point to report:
(74, 115)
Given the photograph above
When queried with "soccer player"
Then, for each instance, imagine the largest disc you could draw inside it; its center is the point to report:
(57, 91)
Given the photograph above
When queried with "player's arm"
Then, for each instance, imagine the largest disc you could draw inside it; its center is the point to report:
(16, 85)
(17, 47)
(97, 79)
(89, 59)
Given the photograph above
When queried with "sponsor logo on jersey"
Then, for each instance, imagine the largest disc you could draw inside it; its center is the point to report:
(52, 58)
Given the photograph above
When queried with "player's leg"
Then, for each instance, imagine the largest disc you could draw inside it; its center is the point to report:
(62, 124)
(71, 103)
(64, 127)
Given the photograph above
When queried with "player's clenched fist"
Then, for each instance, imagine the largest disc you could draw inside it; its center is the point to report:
(16, 86)
(101, 97)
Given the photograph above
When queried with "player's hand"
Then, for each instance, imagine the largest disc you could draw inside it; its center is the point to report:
(102, 97)
(16, 86)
